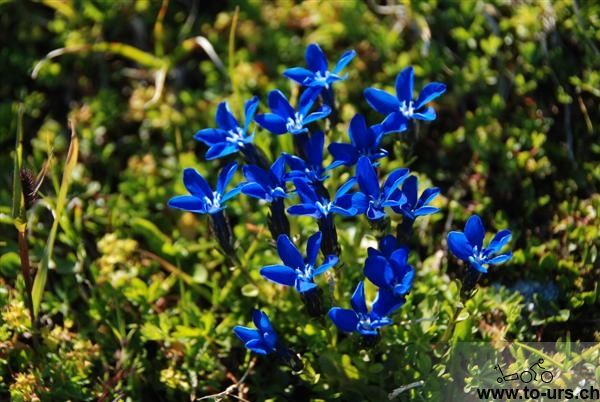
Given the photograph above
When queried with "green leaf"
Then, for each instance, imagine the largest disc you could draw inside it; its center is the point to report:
(249, 290)
(42, 274)
(18, 202)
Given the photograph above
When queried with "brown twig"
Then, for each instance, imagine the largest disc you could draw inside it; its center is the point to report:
(229, 390)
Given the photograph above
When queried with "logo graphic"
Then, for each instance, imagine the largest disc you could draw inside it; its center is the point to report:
(527, 376)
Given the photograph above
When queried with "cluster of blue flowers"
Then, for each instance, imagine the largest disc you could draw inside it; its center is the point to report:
(363, 194)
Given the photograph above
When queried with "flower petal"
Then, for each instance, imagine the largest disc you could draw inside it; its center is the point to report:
(475, 231)
(272, 122)
(312, 248)
(224, 117)
(404, 84)
(359, 133)
(429, 93)
(381, 101)
(249, 111)
(394, 123)
(329, 262)
(425, 211)
(343, 154)
(305, 192)
(500, 259)
(344, 60)
(315, 58)
(188, 203)
(388, 245)
(409, 188)
(246, 334)
(385, 303)
(307, 99)
(225, 177)
(303, 285)
(459, 245)
(280, 274)
(358, 299)
(196, 184)
(304, 209)
(367, 177)
(220, 150)
(427, 196)
(314, 149)
(261, 321)
(394, 179)
(344, 319)
(258, 346)
(299, 74)
(255, 190)
(289, 253)
(211, 136)
(318, 114)
(280, 105)
(378, 270)
(499, 240)
(254, 174)
(427, 115)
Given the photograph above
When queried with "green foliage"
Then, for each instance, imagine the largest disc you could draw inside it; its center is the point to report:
(139, 303)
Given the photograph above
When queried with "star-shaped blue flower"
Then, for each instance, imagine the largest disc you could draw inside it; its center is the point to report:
(416, 206)
(401, 108)
(298, 272)
(284, 119)
(202, 199)
(312, 204)
(371, 200)
(262, 340)
(364, 141)
(359, 319)
(468, 246)
(317, 74)
(265, 185)
(229, 137)
(389, 268)
(310, 169)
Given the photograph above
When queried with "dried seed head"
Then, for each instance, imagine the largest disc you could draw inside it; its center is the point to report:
(28, 185)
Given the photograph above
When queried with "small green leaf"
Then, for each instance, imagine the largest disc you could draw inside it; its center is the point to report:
(249, 290)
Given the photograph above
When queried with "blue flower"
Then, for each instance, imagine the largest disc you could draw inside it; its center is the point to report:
(310, 170)
(415, 207)
(371, 200)
(262, 340)
(265, 185)
(359, 319)
(229, 137)
(312, 204)
(389, 268)
(297, 271)
(202, 199)
(401, 108)
(468, 246)
(364, 141)
(284, 119)
(317, 74)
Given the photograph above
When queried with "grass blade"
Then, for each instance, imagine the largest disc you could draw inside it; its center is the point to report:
(61, 201)
(18, 210)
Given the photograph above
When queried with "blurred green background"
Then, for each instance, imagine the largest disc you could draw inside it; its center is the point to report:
(139, 305)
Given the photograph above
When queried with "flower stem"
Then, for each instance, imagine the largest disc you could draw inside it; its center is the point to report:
(26, 270)
(329, 244)
(277, 219)
(255, 156)
(221, 228)
(404, 230)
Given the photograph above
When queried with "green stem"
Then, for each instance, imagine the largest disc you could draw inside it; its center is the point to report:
(26, 269)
